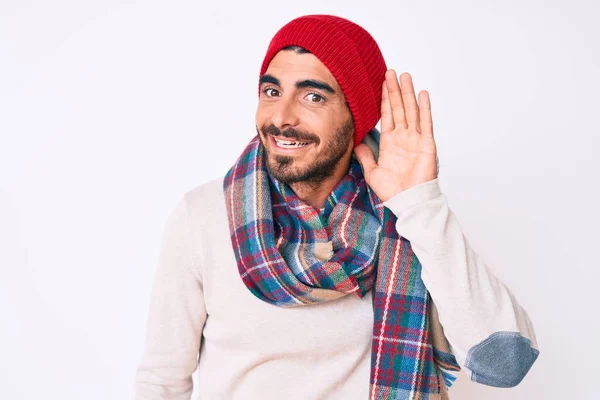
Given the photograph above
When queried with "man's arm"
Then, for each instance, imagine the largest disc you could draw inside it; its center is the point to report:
(491, 335)
(176, 316)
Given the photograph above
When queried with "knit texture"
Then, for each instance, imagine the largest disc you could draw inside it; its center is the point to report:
(351, 55)
(290, 255)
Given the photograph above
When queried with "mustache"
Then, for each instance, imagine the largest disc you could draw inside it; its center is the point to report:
(290, 133)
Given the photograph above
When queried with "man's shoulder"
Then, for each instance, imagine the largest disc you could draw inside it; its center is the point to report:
(206, 196)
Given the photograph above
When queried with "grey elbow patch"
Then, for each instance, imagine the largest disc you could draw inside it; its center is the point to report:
(501, 360)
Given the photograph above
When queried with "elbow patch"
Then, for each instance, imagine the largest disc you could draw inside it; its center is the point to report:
(501, 360)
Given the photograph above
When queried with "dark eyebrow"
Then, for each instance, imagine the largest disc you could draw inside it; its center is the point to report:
(266, 78)
(314, 84)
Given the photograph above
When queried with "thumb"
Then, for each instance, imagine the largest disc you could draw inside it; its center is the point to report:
(365, 157)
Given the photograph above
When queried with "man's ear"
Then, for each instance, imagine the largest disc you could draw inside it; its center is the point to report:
(371, 139)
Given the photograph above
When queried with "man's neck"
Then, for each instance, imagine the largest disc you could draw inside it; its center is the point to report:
(315, 194)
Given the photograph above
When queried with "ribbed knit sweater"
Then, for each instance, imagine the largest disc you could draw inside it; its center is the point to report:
(202, 315)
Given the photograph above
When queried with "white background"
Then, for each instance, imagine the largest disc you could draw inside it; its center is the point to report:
(111, 110)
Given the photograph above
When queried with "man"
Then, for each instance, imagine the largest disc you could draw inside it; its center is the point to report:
(326, 264)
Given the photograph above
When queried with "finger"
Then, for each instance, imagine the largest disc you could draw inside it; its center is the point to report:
(387, 121)
(411, 109)
(426, 122)
(365, 158)
(395, 97)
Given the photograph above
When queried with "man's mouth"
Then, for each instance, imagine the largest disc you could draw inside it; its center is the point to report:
(289, 143)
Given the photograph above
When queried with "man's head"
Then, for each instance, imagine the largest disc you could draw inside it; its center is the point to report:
(302, 117)
(319, 94)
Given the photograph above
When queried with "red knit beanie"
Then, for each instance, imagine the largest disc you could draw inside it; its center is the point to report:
(351, 55)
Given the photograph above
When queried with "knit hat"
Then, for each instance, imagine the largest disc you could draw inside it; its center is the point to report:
(351, 55)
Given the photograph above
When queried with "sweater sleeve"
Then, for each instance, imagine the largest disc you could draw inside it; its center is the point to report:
(176, 317)
(489, 333)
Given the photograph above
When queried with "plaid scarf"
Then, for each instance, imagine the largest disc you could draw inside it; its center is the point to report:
(290, 254)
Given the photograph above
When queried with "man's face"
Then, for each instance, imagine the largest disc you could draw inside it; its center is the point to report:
(302, 119)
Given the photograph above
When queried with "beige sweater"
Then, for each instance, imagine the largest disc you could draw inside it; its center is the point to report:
(202, 315)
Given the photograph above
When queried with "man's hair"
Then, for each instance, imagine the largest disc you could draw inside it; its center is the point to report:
(297, 49)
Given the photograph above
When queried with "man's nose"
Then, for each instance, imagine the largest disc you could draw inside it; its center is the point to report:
(285, 113)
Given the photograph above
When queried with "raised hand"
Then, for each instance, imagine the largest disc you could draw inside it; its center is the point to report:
(407, 151)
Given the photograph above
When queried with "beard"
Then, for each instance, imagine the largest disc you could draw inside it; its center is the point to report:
(286, 169)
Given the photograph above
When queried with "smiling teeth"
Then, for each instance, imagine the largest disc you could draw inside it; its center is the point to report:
(285, 143)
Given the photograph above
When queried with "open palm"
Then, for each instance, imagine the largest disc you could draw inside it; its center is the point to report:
(407, 151)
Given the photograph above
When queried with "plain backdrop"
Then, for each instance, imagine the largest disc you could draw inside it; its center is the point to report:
(111, 110)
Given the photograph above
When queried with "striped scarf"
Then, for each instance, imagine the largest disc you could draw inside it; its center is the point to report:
(290, 254)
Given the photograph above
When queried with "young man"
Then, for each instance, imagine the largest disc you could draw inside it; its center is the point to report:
(326, 264)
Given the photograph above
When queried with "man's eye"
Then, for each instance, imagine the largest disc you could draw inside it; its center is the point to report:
(269, 92)
(317, 98)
